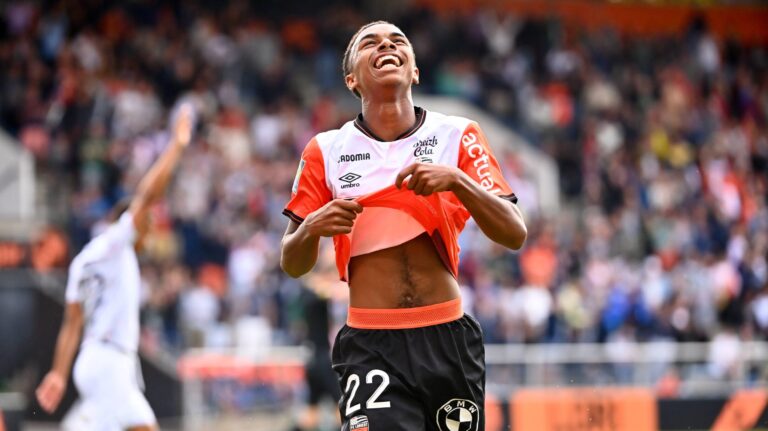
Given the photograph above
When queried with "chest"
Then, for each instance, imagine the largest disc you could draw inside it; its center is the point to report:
(116, 278)
(358, 165)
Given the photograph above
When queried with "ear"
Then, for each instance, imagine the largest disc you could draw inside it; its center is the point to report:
(351, 82)
(415, 76)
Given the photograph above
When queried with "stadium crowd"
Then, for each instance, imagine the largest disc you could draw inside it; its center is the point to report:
(661, 143)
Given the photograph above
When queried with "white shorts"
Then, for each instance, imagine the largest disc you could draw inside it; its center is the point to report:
(109, 385)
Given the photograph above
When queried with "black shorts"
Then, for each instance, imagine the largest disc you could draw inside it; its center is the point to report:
(427, 378)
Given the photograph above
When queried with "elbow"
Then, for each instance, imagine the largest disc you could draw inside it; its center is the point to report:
(519, 239)
(287, 268)
(519, 231)
(511, 235)
(517, 236)
(287, 264)
(290, 269)
(291, 272)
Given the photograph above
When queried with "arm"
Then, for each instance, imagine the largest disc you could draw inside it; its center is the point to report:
(313, 213)
(499, 219)
(298, 250)
(300, 243)
(478, 183)
(154, 183)
(52, 388)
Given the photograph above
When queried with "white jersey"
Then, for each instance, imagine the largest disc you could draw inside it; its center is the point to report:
(104, 279)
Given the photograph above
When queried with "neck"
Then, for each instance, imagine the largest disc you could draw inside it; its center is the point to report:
(389, 119)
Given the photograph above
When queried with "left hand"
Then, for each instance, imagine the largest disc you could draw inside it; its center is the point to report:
(428, 178)
(50, 391)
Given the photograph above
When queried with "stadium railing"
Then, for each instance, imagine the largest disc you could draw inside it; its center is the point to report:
(269, 381)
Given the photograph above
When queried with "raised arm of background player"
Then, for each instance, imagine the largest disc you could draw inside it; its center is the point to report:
(150, 189)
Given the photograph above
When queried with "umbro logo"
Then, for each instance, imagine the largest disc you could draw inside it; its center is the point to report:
(349, 178)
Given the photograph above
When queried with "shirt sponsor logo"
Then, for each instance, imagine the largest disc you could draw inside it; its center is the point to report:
(354, 157)
(350, 178)
(359, 423)
(424, 147)
(458, 415)
(481, 162)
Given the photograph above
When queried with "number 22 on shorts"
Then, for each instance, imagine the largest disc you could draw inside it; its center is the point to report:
(353, 383)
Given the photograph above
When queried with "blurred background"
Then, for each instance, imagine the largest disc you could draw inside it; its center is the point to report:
(635, 134)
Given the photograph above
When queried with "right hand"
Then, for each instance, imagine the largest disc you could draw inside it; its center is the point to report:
(50, 391)
(334, 218)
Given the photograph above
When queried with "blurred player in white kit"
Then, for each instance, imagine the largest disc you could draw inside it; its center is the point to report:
(102, 308)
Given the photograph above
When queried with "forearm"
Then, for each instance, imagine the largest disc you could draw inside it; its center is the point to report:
(155, 181)
(66, 346)
(299, 252)
(499, 219)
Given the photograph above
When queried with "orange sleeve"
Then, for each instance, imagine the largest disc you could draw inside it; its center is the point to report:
(310, 190)
(477, 160)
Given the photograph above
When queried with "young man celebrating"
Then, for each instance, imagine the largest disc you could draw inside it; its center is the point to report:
(394, 188)
(103, 300)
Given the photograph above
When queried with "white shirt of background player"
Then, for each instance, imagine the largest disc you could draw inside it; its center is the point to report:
(104, 279)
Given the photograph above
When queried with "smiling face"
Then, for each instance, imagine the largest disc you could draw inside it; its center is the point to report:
(380, 58)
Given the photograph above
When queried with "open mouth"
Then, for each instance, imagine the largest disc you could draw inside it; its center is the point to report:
(387, 61)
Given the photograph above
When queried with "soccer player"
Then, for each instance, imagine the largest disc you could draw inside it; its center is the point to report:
(394, 188)
(102, 296)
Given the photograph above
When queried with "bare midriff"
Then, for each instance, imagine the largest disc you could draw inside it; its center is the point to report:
(408, 275)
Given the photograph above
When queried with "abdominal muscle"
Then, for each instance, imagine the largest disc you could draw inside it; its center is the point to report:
(408, 275)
